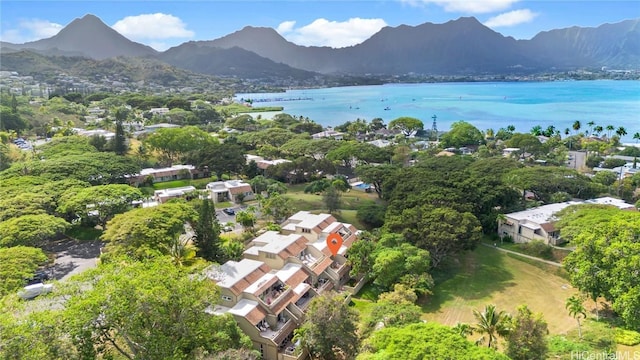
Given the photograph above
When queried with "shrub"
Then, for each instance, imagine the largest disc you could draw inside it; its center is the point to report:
(537, 248)
(627, 337)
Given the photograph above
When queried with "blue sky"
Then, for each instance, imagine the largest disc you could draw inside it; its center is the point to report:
(336, 23)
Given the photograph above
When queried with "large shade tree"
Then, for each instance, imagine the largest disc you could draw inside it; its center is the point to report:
(150, 310)
(329, 329)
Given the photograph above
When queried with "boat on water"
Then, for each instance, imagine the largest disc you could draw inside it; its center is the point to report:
(387, 108)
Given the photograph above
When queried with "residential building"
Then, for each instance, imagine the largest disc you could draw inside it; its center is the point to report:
(329, 133)
(269, 290)
(175, 172)
(232, 190)
(539, 223)
(164, 195)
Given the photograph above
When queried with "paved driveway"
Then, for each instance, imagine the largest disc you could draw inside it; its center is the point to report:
(73, 257)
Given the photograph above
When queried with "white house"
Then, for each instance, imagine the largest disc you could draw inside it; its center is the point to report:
(539, 223)
(232, 190)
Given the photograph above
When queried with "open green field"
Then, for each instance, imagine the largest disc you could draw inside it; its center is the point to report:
(313, 202)
(486, 276)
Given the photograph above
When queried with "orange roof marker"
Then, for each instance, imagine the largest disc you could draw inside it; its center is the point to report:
(334, 241)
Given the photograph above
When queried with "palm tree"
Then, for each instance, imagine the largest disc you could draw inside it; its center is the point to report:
(576, 126)
(575, 307)
(598, 129)
(636, 137)
(492, 323)
(621, 131)
(566, 131)
(590, 124)
(610, 129)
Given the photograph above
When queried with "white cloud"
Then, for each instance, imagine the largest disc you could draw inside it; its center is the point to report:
(285, 27)
(152, 26)
(466, 6)
(511, 18)
(322, 32)
(30, 30)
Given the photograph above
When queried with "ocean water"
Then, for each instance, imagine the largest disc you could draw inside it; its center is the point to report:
(486, 105)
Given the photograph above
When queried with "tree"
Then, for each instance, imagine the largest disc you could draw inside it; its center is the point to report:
(603, 262)
(18, 263)
(247, 219)
(461, 133)
(329, 329)
(147, 232)
(407, 125)
(371, 214)
(129, 311)
(361, 256)
(441, 231)
(527, 143)
(492, 323)
(395, 308)
(277, 206)
(102, 202)
(423, 341)
(376, 175)
(207, 233)
(527, 339)
(402, 263)
(576, 309)
(576, 126)
(172, 143)
(119, 145)
(220, 158)
(332, 198)
(31, 230)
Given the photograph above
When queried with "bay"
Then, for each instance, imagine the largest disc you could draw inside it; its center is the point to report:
(486, 105)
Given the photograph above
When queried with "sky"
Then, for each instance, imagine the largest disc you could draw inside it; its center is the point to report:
(335, 23)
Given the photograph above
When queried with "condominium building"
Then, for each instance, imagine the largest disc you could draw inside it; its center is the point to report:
(269, 290)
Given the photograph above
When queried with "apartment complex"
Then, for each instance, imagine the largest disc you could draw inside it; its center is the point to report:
(269, 290)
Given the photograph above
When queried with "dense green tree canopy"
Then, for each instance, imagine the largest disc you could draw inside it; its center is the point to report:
(606, 260)
(101, 202)
(423, 341)
(150, 310)
(172, 143)
(527, 339)
(147, 232)
(220, 158)
(95, 168)
(461, 134)
(407, 125)
(18, 263)
(31, 230)
(329, 329)
(544, 181)
(440, 230)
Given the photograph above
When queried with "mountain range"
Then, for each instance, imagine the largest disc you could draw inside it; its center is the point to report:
(458, 47)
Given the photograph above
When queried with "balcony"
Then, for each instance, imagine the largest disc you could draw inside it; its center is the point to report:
(275, 299)
(278, 333)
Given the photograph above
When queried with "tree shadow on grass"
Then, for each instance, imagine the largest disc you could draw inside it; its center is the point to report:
(470, 276)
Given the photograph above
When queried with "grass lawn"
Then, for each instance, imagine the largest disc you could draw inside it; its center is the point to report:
(311, 202)
(197, 183)
(486, 276)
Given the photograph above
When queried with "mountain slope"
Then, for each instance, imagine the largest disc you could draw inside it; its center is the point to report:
(234, 61)
(615, 45)
(90, 37)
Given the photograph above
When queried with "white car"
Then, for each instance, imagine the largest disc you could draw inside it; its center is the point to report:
(31, 291)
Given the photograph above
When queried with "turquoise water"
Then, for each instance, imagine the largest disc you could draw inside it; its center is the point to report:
(485, 105)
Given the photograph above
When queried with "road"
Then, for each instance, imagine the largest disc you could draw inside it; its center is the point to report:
(73, 257)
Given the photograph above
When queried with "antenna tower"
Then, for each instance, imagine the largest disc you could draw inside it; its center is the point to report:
(434, 127)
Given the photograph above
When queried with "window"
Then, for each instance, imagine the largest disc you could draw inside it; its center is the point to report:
(226, 298)
(270, 256)
(308, 231)
(519, 229)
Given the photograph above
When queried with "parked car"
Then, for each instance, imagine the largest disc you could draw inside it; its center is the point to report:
(227, 228)
(38, 277)
(31, 291)
(229, 211)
